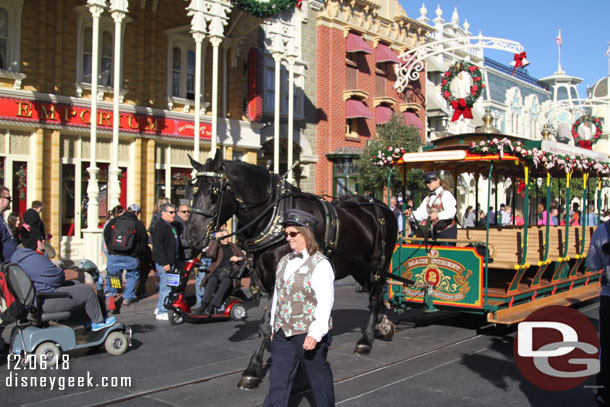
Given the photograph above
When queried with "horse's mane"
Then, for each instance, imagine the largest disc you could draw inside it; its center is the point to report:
(263, 172)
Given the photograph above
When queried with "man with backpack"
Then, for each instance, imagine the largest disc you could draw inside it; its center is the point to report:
(126, 239)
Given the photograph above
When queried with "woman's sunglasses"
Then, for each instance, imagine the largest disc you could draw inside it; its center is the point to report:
(292, 234)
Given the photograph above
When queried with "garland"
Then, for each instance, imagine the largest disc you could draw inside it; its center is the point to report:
(597, 122)
(265, 9)
(388, 156)
(462, 106)
(540, 158)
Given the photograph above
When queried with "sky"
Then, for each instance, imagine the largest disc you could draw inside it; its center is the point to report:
(585, 31)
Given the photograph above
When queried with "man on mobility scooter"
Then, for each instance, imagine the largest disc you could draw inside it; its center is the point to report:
(226, 257)
(48, 278)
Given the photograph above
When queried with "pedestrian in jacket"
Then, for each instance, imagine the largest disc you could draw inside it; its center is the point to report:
(164, 253)
(598, 258)
(7, 244)
(128, 258)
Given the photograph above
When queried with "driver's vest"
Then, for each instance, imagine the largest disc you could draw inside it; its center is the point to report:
(296, 299)
(436, 205)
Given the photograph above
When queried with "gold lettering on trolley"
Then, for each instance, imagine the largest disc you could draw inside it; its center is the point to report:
(24, 109)
(48, 114)
(151, 124)
(104, 118)
(82, 116)
(129, 123)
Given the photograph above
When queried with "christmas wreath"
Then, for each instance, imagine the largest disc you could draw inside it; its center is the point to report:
(597, 122)
(266, 9)
(462, 106)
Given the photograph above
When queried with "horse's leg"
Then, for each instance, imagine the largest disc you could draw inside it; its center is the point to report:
(253, 375)
(363, 346)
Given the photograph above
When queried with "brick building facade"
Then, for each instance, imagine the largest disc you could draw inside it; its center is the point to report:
(362, 78)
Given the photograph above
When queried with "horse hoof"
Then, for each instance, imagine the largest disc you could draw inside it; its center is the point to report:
(362, 349)
(248, 383)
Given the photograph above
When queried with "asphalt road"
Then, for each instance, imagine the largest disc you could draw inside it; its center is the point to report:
(438, 359)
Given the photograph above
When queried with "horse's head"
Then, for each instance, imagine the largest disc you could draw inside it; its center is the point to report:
(212, 204)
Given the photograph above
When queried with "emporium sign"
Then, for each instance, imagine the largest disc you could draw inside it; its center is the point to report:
(80, 117)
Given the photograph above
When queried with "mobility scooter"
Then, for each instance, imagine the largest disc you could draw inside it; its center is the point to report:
(178, 309)
(42, 337)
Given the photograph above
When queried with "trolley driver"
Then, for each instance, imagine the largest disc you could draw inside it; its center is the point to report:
(438, 208)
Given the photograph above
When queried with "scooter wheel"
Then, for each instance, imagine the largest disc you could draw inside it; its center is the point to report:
(116, 343)
(174, 318)
(238, 312)
(48, 353)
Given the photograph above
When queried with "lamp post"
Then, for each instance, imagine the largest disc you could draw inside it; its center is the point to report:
(118, 10)
(92, 234)
(214, 13)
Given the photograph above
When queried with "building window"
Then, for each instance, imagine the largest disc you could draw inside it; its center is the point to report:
(351, 127)
(269, 95)
(10, 34)
(106, 55)
(3, 37)
(562, 93)
(183, 73)
(344, 176)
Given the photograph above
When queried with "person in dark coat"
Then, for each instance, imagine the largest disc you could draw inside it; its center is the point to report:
(47, 277)
(32, 218)
(224, 255)
(164, 253)
(598, 258)
(129, 259)
(7, 244)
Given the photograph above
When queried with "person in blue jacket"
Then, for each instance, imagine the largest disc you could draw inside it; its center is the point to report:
(598, 258)
(47, 277)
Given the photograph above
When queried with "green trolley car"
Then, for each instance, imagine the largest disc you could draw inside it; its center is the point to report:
(503, 272)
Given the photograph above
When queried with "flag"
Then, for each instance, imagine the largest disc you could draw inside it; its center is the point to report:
(608, 50)
(558, 40)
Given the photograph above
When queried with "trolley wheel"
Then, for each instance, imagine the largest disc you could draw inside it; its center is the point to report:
(174, 317)
(49, 352)
(238, 312)
(116, 343)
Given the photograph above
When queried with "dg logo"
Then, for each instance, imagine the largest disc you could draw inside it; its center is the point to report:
(557, 348)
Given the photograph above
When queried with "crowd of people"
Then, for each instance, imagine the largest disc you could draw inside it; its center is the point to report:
(132, 251)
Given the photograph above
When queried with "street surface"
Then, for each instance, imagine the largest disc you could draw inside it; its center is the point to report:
(436, 359)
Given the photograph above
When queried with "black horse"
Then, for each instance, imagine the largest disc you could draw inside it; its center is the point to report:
(358, 234)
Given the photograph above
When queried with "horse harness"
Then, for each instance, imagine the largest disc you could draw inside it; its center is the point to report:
(281, 194)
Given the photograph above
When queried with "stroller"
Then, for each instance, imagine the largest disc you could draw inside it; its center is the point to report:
(39, 338)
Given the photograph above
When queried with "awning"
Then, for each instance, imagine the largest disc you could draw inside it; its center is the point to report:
(383, 114)
(412, 119)
(355, 109)
(355, 43)
(385, 54)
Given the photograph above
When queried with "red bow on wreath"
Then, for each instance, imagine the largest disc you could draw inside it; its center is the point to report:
(461, 109)
(299, 4)
(585, 144)
(519, 59)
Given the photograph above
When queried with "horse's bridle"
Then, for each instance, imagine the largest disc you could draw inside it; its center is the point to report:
(220, 189)
(216, 189)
